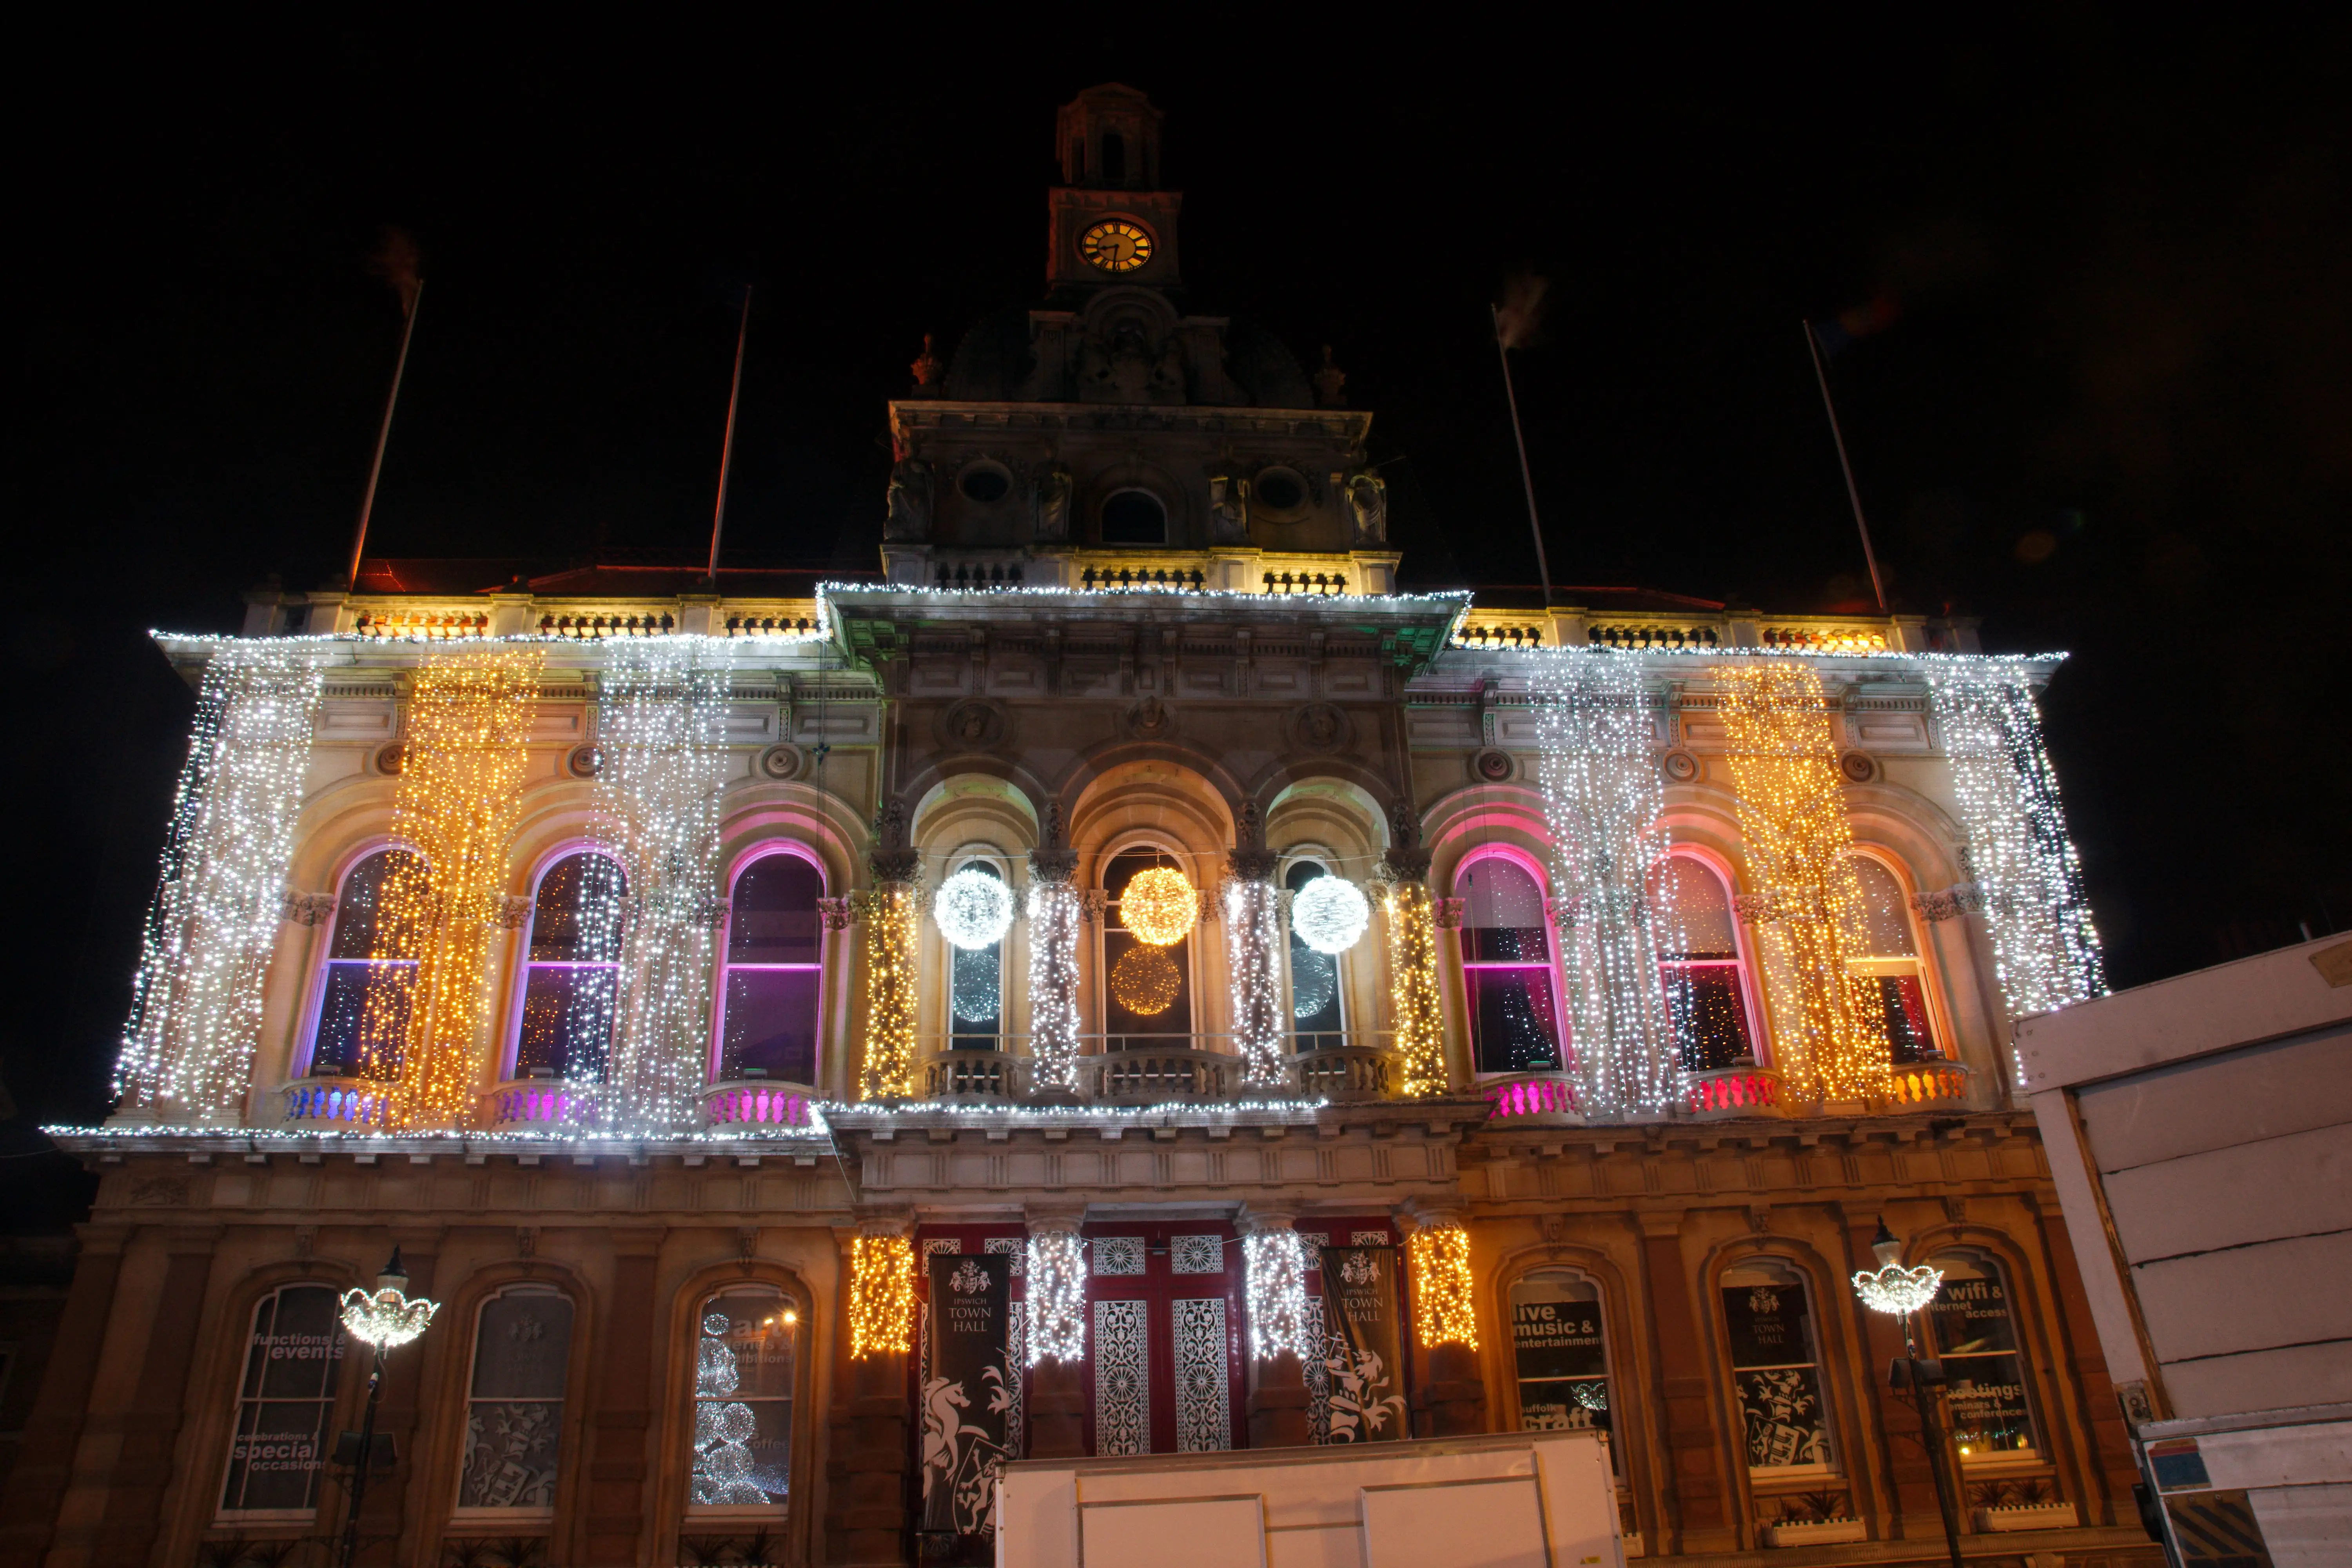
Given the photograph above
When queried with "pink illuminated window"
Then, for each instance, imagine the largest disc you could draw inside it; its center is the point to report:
(1883, 953)
(1515, 1023)
(1698, 952)
(571, 986)
(775, 948)
(364, 1002)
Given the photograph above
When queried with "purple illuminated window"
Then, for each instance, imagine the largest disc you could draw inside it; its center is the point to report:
(1515, 1023)
(365, 998)
(572, 982)
(775, 945)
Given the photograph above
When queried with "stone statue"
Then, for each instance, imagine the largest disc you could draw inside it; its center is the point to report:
(910, 500)
(1228, 509)
(1368, 505)
(1050, 504)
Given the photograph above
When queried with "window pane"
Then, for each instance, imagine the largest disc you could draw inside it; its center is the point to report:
(1767, 1319)
(773, 919)
(742, 1407)
(567, 1020)
(1906, 1017)
(510, 1454)
(1512, 1020)
(1881, 927)
(576, 919)
(1709, 1013)
(1781, 1413)
(356, 909)
(1971, 1326)
(1701, 911)
(348, 1040)
(1118, 1018)
(293, 1361)
(771, 1024)
(1562, 1360)
(524, 1347)
(1314, 991)
(305, 1346)
(976, 990)
(1503, 914)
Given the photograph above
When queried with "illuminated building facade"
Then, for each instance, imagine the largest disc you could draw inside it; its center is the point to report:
(581, 935)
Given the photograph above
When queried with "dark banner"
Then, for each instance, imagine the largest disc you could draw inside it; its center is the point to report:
(1364, 1340)
(969, 1390)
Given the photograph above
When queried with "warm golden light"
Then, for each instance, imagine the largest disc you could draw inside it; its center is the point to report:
(1145, 981)
(881, 1296)
(1443, 1309)
(1159, 906)
(893, 911)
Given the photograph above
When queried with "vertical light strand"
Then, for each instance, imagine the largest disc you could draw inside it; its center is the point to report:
(1056, 1272)
(1275, 1265)
(1831, 1042)
(1253, 971)
(892, 911)
(881, 1296)
(1053, 985)
(1606, 804)
(661, 746)
(1444, 1312)
(1414, 1012)
(461, 778)
(196, 1003)
(2045, 949)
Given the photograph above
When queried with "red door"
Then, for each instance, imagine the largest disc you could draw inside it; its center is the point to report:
(1164, 1338)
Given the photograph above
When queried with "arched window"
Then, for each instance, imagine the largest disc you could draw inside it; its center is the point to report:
(364, 1000)
(514, 1401)
(775, 951)
(1507, 967)
(1148, 994)
(572, 974)
(1972, 1323)
(744, 1361)
(1882, 948)
(1776, 1371)
(293, 1365)
(1698, 951)
(1134, 517)
(976, 984)
(1318, 1019)
(1562, 1351)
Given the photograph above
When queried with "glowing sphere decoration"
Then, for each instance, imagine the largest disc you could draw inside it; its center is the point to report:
(1331, 914)
(973, 909)
(1144, 980)
(1160, 906)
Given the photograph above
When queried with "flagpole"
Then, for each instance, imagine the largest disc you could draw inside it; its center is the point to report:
(1527, 477)
(1813, 345)
(383, 437)
(727, 447)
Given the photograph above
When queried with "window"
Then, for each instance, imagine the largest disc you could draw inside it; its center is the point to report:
(1881, 950)
(514, 1405)
(1114, 158)
(1318, 1014)
(1562, 1354)
(1775, 1367)
(1134, 517)
(1972, 1326)
(1506, 968)
(775, 946)
(363, 1004)
(293, 1363)
(1148, 996)
(744, 1372)
(1698, 950)
(976, 985)
(572, 981)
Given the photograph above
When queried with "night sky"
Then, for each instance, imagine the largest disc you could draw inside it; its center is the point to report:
(2112, 414)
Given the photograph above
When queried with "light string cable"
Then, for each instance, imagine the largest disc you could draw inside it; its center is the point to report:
(1053, 1020)
(2029, 879)
(1605, 802)
(196, 1003)
(1830, 1039)
(470, 710)
(1415, 1011)
(1252, 954)
(661, 744)
(1057, 1272)
(1275, 1266)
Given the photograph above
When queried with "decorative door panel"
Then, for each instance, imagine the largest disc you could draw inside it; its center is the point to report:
(1164, 1342)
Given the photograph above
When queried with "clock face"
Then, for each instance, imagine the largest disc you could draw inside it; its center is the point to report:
(1116, 246)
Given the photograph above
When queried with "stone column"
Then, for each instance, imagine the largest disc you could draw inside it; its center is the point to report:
(1055, 1270)
(1418, 1018)
(615, 1482)
(36, 1485)
(150, 1425)
(1694, 1481)
(1253, 921)
(874, 1502)
(1449, 1398)
(893, 961)
(1282, 1331)
(1054, 910)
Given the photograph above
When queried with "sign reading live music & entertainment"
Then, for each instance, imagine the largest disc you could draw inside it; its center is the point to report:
(1363, 1346)
(968, 1391)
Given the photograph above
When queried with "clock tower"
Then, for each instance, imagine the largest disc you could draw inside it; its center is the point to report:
(1110, 221)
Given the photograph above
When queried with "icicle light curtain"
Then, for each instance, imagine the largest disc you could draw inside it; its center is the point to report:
(1605, 802)
(1252, 938)
(196, 1015)
(1054, 984)
(469, 715)
(661, 748)
(1415, 1012)
(1831, 1043)
(2045, 949)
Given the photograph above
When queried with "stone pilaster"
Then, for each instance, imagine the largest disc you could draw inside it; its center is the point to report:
(875, 1497)
(1278, 1397)
(1449, 1395)
(1057, 1396)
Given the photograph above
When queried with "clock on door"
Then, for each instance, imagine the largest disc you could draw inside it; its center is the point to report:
(1116, 246)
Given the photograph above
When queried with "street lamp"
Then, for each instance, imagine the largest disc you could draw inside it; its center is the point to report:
(383, 1321)
(1901, 1292)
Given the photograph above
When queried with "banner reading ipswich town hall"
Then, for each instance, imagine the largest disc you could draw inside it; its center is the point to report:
(1363, 1347)
(968, 1391)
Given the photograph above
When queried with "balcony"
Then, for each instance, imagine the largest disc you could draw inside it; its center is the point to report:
(1141, 1075)
(1344, 1072)
(1718, 1094)
(975, 1076)
(541, 1105)
(752, 1103)
(329, 1102)
(1532, 1099)
(1928, 1086)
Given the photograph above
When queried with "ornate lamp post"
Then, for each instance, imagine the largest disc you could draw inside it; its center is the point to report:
(1901, 1292)
(383, 1321)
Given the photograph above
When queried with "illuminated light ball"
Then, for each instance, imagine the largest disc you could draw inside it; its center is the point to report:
(973, 909)
(1331, 914)
(1160, 906)
(1144, 980)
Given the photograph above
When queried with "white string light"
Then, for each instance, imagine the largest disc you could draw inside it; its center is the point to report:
(2045, 949)
(1606, 806)
(1275, 1264)
(661, 741)
(1056, 1272)
(1253, 966)
(196, 1005)
(1054, 986)
(1896, 1290)
(1331, 914)
(973, 909)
